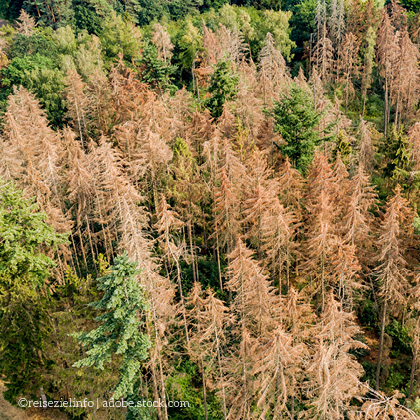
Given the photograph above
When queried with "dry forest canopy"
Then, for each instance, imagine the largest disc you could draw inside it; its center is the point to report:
(211, 202)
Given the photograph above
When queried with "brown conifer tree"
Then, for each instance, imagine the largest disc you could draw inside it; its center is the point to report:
(334, 372)
(277, 235)
(387, 53)
(209, 318)
(405, 86)
(187, 187)
(33, 154)
(368, 62)
(25, 24)
(319, 249)
(80, 189)
(414, 141)
(347, 65)
(272, 70)
(78, 105)
(323, 55)
(291, 185)
(240, 378)
(119, 212)
(255, 207)
(167, 224)
(227, 198)
(393, 271)
(254, 300)
(162, 41)
(366, 149)
(277, 371)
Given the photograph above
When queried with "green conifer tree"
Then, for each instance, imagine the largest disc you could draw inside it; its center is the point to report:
(119, 332)
(25, 243)
(296, 119)
(223, 86)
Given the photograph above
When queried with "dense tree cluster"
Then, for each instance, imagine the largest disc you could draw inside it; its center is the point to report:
(211, 203)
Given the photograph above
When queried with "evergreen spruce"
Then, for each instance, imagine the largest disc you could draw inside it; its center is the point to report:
(120, 331)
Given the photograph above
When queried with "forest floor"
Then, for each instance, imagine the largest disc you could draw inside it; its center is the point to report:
(9, 412)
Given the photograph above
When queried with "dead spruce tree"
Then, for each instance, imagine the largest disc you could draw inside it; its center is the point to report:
(387, 52)
(208, 318)
(393, 272)
(334, 373)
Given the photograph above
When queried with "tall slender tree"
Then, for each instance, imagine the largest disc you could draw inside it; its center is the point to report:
(347, 65)
(368, 63)
(334, 372)
(393, 271)
(386, 54)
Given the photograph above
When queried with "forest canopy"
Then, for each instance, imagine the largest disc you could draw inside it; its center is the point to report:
(212, 202)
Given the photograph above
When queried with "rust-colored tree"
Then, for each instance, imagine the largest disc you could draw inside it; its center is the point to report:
(393, 272)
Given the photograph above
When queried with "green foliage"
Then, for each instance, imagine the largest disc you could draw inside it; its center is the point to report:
(401, 341)
(10, 9)
(132, 9)
(24, 269)
(38, 43)
(367, 312)
(185, 385)
(118, 37)
(396, 378)
(53, 13)
(64, 40)
(223, 87)
(179, 9)
(34, 65)
(119, 330)
(212, 4)
(154, 71)
(277, 23)
(264, 4)
(295, 119)
(398, 165)
(370, 373)
(152, 10)
(415, 406)
(69, 311)
(189, 42)
(208, 274)
(411, 5)
(343, 147)
(40, 75)
(90, 14)
(302, 22)
(254, 25)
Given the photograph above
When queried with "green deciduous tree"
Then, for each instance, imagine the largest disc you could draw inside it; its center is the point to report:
(38, 74)
(89, 14)
(119, 36)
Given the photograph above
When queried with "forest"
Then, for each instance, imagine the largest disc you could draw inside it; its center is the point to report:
(212, 202)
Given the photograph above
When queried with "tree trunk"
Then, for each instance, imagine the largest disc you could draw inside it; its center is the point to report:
(364, 105)
(204, 390)
(413, 371)
(386, 107)
(191, 250)
(381, 346)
